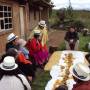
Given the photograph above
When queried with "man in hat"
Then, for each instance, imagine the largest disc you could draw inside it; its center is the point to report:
(17, 43)
(81, 74)
(12, 42)
(11, 78)
(72, 39)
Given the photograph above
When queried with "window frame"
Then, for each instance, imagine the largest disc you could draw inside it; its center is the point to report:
(8, 12)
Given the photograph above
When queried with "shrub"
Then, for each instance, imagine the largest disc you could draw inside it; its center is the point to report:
(79, 25)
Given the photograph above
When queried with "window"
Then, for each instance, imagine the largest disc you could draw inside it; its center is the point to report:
(5, 18)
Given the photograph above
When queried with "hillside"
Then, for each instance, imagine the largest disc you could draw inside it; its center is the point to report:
(83, 16)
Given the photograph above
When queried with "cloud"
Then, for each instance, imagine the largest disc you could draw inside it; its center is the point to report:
(76, 4)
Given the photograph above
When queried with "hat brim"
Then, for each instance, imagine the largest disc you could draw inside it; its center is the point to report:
(43, 25)
(13, 39)
(71, 71)
(36, 33)
(1, 66)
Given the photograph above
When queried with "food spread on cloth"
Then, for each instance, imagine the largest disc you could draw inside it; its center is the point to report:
(60, 73)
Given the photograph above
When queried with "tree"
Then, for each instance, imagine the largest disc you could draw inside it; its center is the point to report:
(61, 14)
(70, 11)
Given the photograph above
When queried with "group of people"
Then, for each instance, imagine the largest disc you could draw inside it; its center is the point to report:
(37, 44)
(19, 63)
(80, 71)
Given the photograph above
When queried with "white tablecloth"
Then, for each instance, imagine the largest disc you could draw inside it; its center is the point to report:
(55, 72)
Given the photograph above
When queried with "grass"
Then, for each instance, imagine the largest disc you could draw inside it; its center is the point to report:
(42, 77)
(82, 16)
(83, 41)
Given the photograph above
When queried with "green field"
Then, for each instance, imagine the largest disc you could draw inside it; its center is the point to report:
(41, 80)
(83, 16)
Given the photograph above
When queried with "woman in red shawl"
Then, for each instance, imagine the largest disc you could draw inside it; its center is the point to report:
(36, 50)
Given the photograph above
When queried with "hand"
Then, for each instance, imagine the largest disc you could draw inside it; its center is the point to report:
(71, 41)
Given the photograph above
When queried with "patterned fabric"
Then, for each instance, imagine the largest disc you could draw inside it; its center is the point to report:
(35, 49)
(23, 59)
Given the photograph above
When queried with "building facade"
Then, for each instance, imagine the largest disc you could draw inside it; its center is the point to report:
(20, 17)
(13, 18)
(39, 10)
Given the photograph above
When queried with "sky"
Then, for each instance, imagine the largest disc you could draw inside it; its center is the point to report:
(76, 4)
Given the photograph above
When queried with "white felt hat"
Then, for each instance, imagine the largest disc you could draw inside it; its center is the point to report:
(8, 64)
(37, 32)
(42, 23)
(81, 71)
(11, 37)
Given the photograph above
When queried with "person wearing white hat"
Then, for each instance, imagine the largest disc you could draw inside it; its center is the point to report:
(11, 78)
(42, 23)
(36, 51)
(43, 36)
(81, 74)
(24, 65)
(12, 41)
(43, 31)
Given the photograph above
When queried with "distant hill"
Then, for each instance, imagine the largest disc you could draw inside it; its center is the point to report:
(82, 15)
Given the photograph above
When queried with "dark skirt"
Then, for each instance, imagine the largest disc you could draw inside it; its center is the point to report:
(27, 69)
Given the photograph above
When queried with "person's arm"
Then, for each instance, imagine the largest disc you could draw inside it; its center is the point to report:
(67, 36)
(76, 37)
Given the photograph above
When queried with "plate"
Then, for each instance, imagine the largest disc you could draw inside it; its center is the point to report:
(55, 71)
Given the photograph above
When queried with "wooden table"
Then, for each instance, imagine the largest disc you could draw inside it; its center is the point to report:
(53, 60)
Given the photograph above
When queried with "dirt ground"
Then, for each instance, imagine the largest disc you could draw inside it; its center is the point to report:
(56, 37)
